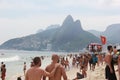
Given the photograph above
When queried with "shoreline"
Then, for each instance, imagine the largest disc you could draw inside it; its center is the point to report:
(97, 74)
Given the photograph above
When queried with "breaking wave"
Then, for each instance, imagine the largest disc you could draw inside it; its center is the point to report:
(10, 59)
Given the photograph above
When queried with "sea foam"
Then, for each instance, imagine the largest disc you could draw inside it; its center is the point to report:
(10, 59)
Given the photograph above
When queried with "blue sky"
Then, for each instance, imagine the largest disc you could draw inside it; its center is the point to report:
(23, 17)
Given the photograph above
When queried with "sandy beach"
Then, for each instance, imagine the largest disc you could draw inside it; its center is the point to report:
(97, 74)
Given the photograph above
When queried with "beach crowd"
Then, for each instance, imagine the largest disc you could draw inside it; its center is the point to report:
(56, 70)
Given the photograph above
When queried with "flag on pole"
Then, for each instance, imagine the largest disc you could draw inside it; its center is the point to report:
(103, 40)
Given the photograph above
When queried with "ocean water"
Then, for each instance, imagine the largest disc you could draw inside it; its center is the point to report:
(15, 59)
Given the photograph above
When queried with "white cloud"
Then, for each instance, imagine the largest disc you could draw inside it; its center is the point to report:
(115, 3)
(59, 5)
(95, 4)
(19, 5)
(98, 22)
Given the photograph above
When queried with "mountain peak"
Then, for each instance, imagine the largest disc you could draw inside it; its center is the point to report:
(113, 27)
(69, 17)
(78, 25)
(68, 20)
(78, 22)
(71, 25)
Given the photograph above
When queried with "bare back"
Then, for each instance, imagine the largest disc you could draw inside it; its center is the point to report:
(34, 73)
(58, 74)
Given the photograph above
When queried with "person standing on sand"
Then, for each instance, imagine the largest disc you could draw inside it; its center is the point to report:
(67, 64)
(63, 61)
(24, 68)
(3, 73)
(36, 73)
(109, 69)
(90, 61)
(1, 66)
(60, 71)
(73, 62)
(94, 61)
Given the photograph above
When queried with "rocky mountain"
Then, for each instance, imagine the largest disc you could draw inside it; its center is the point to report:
(96, 33)
(71, 36)
(53, 26)
(40, 30)
(111, 33)
(68, 37)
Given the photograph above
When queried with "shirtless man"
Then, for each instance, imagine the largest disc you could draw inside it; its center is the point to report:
(109, 69)
(36, 73)
(60, 71)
